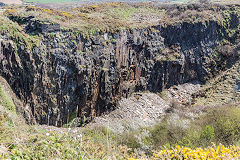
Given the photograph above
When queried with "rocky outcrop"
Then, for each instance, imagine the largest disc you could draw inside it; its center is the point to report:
(146, 109)
(139, 110)
(74, 75)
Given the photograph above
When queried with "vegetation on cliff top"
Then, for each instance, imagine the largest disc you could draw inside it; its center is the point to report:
(117, 16)
(16, 33)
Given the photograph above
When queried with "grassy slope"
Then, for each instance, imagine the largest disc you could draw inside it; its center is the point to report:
(21, 141)
(222, 89)
(5, 100)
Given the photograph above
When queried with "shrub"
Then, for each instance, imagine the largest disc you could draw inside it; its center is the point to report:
(166, 134)
(191, 138)
(213, 152)
(226, 123)
(130, 140)
(207, 135)
(220, 125)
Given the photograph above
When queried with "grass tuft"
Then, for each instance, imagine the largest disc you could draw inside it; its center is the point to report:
(6, 101)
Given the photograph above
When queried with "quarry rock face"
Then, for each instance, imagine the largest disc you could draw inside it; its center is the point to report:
(73, 75)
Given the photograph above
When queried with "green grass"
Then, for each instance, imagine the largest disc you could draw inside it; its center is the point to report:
(32, 142)
(6, 101)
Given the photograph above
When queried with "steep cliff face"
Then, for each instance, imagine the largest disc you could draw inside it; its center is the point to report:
(70, 74)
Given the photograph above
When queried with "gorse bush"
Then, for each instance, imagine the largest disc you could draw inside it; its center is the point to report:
(213, 152)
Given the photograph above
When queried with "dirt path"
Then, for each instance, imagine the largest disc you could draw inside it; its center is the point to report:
(11, 1)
